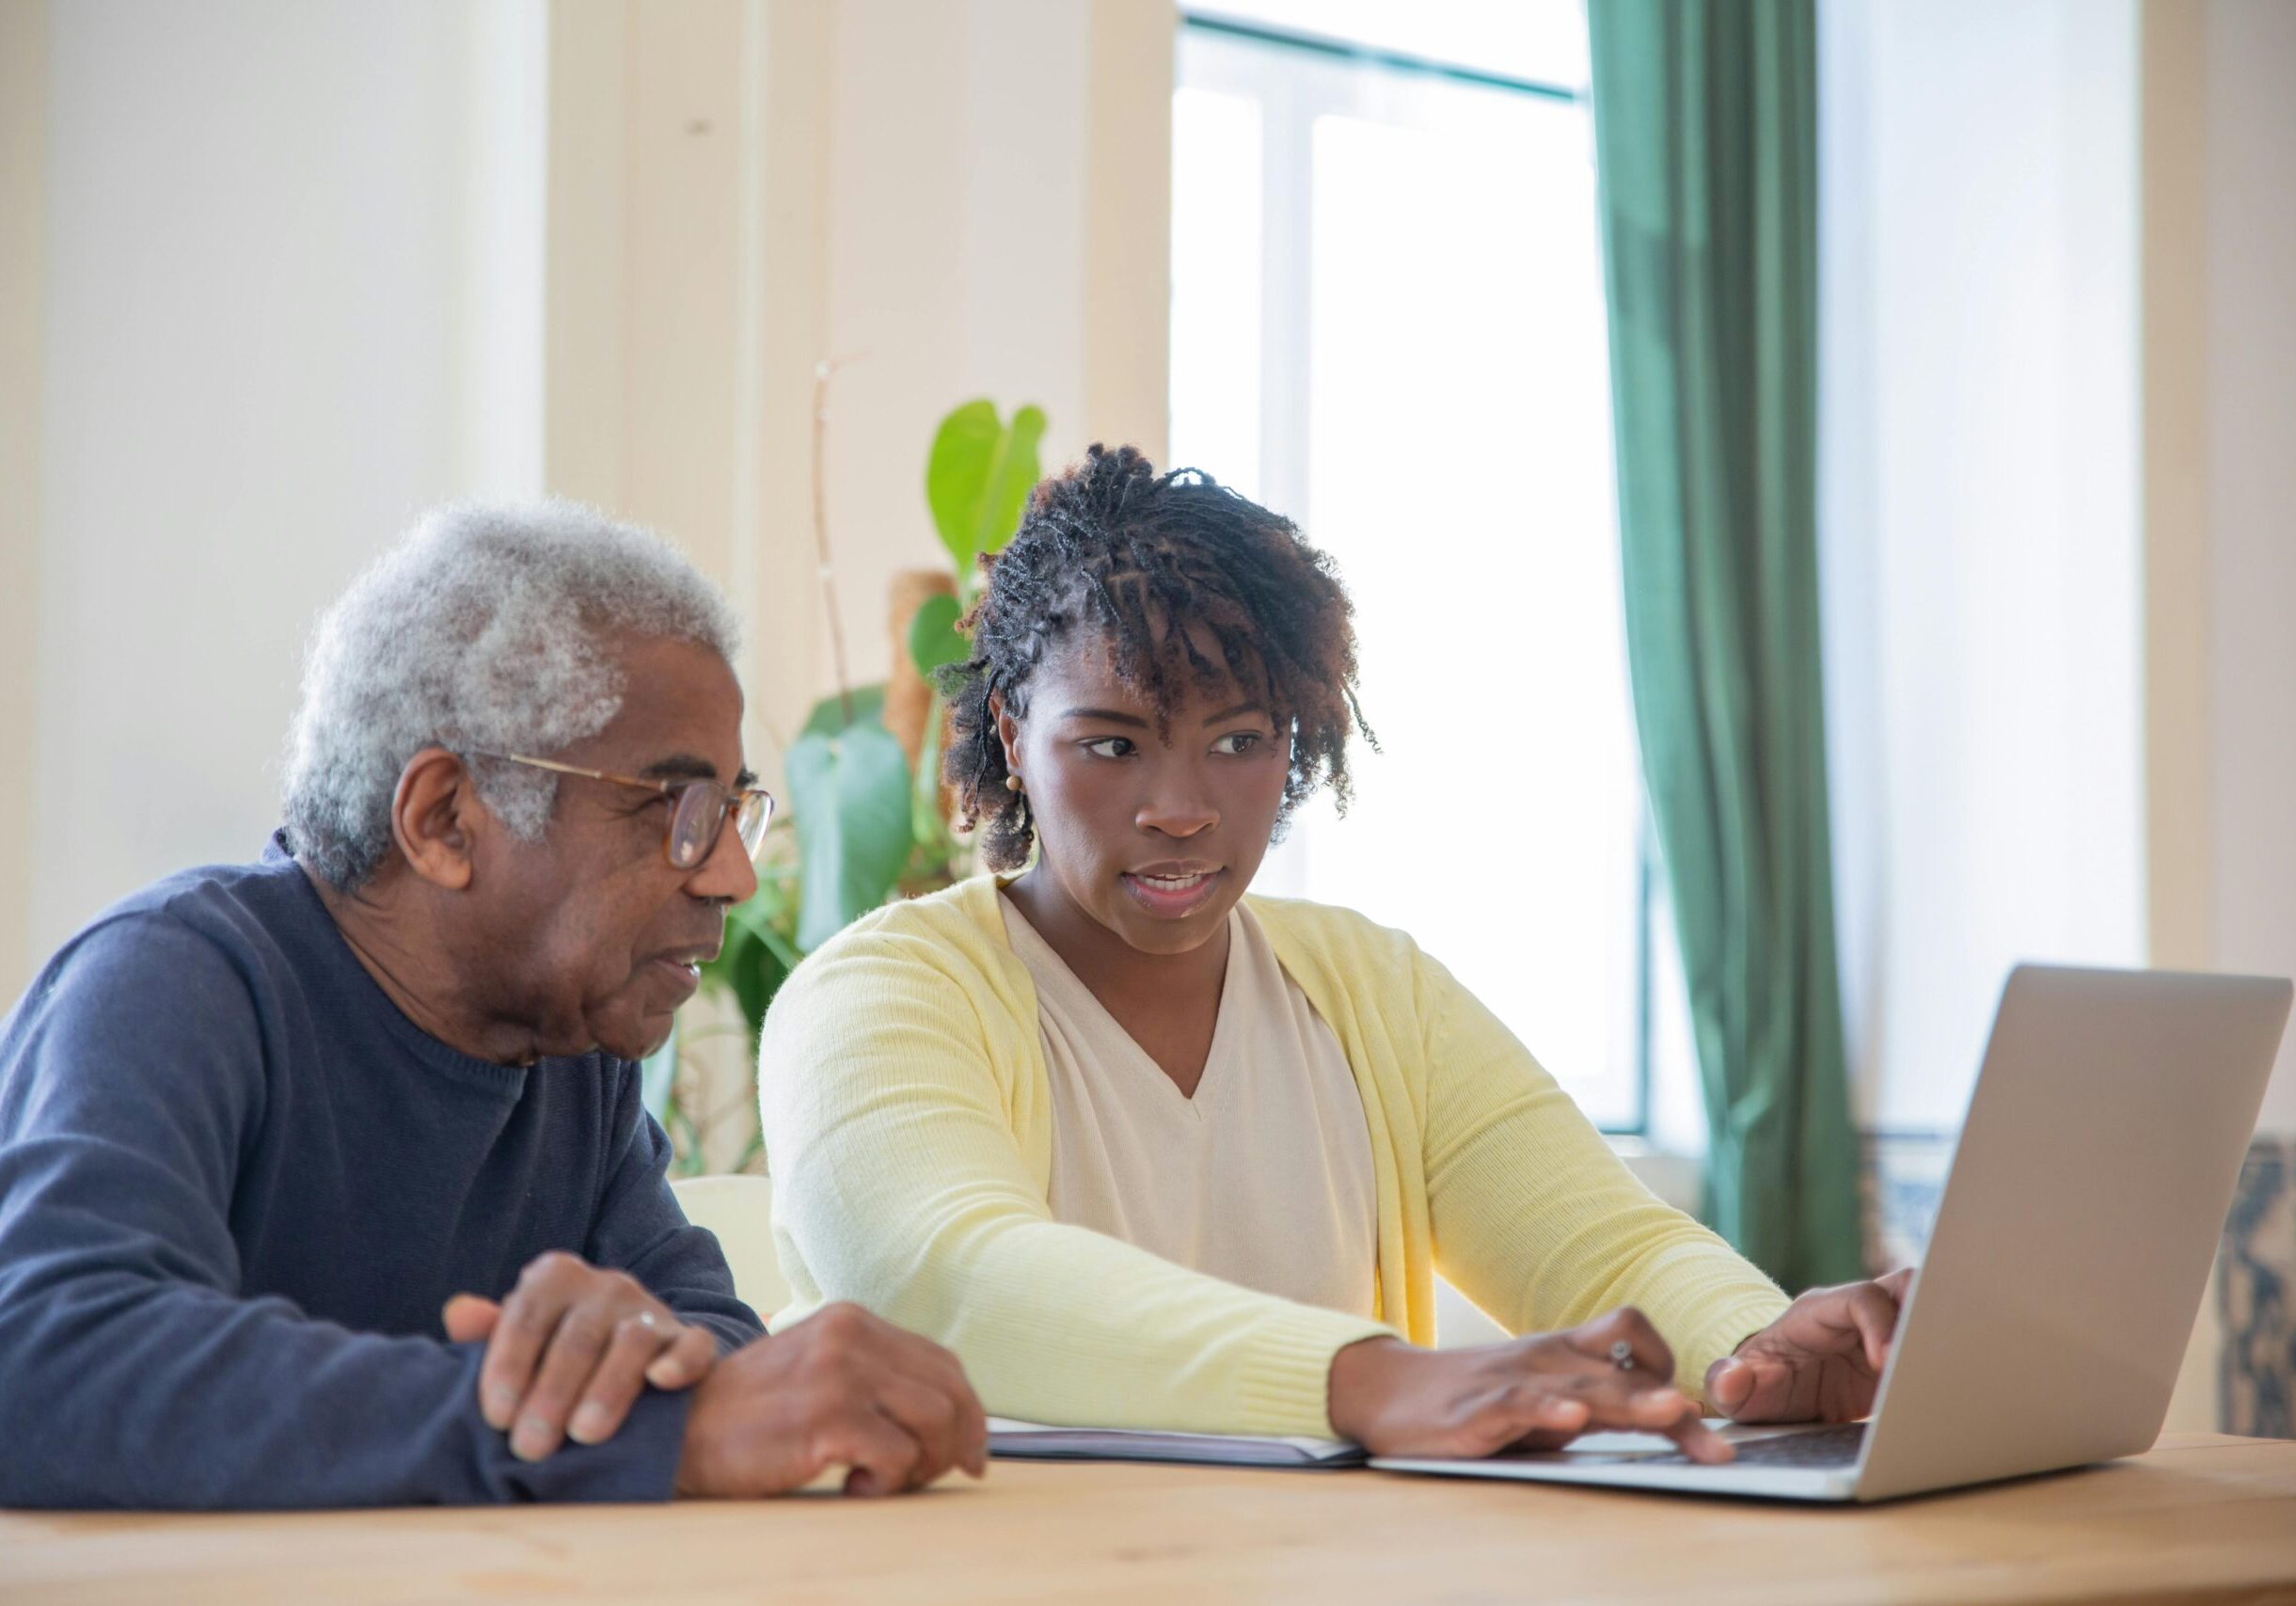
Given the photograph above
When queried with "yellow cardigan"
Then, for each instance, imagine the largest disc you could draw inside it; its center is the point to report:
(908, 1124)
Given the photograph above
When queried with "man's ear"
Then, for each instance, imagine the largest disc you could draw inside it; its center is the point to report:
(1008, 732)
(435, 817)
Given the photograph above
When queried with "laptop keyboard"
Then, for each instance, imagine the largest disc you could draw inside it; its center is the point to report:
(1821, 1447)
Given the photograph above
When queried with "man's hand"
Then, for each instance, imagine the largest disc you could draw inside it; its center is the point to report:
(569, 1349)
(1821, 1361)
(840, 1389)
(1533, 1393)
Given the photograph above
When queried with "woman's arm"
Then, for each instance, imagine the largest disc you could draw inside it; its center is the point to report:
(1538, 1222)
(900, 1184)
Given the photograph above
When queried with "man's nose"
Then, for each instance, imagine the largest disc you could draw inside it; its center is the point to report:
(727, 872)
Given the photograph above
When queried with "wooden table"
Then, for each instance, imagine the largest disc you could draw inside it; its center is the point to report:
(2199, 1518)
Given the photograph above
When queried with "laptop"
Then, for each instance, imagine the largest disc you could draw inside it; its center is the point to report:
(2072, 1247)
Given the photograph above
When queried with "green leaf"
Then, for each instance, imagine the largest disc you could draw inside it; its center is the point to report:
(769, 917)
(978, 475)
(1014, 474)
(957, 475)
(757, 955)
(782, 945)
(933, 638)
(848, 796)
(758, 973)
(929, 827)
(829, 715)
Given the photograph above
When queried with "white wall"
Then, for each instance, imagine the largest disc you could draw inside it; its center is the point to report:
(303, 268)
(1979, 515)
(23, 129)
(2249, 148)
(276, 244)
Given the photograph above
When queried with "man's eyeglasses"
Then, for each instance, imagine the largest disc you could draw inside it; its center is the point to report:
(698, 812)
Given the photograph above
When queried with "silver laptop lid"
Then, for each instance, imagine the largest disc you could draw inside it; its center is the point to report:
(2078, 1226)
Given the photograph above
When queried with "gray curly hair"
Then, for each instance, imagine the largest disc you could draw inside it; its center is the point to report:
(482, 630)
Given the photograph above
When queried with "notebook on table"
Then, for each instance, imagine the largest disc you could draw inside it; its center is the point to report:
(1033, 1442)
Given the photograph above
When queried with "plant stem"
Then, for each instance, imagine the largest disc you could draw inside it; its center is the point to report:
(828, 581)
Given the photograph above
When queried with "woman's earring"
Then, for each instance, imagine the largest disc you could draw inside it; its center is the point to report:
(1012, 784)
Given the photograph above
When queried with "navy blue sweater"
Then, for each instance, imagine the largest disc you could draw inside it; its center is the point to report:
(237, 1185)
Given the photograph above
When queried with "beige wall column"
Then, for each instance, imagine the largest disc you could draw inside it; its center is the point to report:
(585, 271)
(2219, 140)
(786, 287)
(683, 298)
(954, 268)
(646, 125)
(963, 200)
(2174, 398)
(1128, 252)
(998, 191)
(2251, 496)
(24, 111)
(2172, 361)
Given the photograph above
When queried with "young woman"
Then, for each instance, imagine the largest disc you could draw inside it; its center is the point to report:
(1147, 1153)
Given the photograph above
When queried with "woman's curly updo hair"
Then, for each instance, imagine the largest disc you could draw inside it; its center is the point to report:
(1111, 546)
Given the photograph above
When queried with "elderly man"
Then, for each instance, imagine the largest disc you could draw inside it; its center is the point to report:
(325, 1179)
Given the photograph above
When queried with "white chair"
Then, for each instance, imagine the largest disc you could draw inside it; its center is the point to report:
(739, 1210)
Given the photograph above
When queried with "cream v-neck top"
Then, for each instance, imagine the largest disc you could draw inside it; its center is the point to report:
(1263, 1179)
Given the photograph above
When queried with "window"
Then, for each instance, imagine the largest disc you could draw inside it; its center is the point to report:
(1388, 322)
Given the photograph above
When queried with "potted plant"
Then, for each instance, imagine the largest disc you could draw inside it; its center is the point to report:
(865, 817)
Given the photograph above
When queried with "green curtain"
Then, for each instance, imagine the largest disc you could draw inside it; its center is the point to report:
(1706, 133)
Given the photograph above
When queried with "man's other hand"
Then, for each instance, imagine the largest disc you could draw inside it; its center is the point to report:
(569, 1349)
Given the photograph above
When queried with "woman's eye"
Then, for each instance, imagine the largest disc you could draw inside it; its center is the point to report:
(1108, 747)
(1237, 742)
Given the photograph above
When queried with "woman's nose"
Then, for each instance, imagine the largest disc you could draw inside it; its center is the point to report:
(1177, 813)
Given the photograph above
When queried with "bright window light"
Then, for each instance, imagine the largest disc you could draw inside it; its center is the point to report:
(1388, 322)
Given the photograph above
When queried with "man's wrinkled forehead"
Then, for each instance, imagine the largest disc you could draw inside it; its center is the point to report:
(680, 717)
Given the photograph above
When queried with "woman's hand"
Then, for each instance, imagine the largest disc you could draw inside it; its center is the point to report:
(1532, 1393)
(1821, 1361)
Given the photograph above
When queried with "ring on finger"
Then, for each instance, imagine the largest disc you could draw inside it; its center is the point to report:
(646, 1319)
(1622, 1356)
